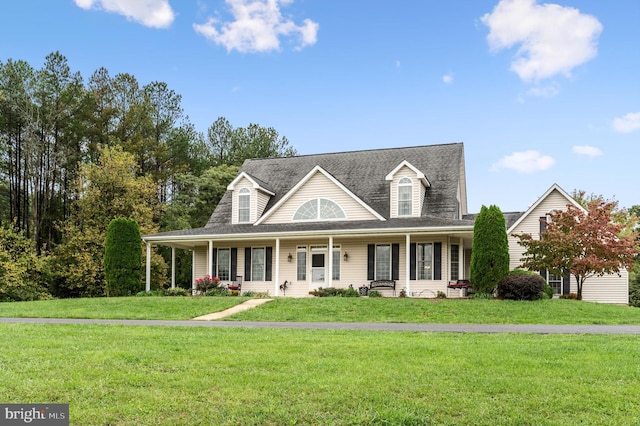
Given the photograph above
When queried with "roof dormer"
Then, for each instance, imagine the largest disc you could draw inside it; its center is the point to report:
(408, 189)
(249, 198)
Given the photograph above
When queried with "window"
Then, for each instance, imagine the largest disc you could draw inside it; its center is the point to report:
(319, 208)
(223, 264)
(244, 205)
(455, 262)
(405, 190)
(424, 261)
(555, 281)
(383, 262)
(301, 256)
(336, 263)
(257, 264)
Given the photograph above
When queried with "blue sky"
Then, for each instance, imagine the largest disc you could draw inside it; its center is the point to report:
(540, 93)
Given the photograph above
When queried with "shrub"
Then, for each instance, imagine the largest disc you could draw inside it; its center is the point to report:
(262, 295)
(482, 296)
(122, 258)
(571, 296)
(441, 295)
(548, 291)
(521, 286)
(375, 293)
(350, 292)
(490, 250)
(217, 291)
(249, 293)
(178, 291)
(203, 285)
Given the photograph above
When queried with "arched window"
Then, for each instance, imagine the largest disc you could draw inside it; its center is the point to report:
(405, 196)
(319, 209)
(244, 205)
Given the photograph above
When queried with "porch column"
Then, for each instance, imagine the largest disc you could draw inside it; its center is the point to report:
(210, 259)
(407, 264)
(277, 269)
(330, 272)
(148, 269)
(193, 269)
(173, 267)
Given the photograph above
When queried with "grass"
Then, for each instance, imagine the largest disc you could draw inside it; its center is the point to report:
(170, 308)
(333, 309)
(118, 375)
(449, 311)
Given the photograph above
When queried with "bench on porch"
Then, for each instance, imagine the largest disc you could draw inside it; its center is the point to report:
(376, 284)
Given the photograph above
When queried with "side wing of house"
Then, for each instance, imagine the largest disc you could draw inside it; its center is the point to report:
(606, 289)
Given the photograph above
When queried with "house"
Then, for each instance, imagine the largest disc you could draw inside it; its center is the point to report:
(347, 219)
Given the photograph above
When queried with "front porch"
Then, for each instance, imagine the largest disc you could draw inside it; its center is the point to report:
(421, 264)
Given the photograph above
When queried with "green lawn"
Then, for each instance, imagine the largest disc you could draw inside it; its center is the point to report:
(170, 308)
(346, 309)
(119, 375)
(449, 311)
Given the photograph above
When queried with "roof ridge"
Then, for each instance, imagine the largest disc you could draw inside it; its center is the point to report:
(355, 151)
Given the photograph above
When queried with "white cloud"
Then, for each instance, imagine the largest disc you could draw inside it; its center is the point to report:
(627, 123)
(150, 13)
(447, 78)
(524, 162)
(589, 151)
(552, 39)
(257, 27)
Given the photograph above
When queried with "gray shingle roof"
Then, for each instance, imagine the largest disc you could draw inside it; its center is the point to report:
(363, 173)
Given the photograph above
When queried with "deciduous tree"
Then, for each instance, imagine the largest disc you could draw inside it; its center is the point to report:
(586, 242)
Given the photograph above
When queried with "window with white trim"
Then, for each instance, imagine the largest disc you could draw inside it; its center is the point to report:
(455, 262)
(424, 261)
(244, 205)
(257, 264)
(301, 266)
(336, 263)
(383, 262)
(405, 197)
(223, 264)
(319, 209)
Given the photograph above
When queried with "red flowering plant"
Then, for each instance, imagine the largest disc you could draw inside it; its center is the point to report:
(207, 283)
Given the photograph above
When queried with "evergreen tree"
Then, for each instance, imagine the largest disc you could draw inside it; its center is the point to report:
(122, 258)
(490, 250)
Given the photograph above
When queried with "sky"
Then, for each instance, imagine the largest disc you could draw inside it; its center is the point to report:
(539, 93)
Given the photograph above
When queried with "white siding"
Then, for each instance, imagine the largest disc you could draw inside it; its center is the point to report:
(319, 186)
(606, 289)
(200, 262)
(259, 201)
(263, 199)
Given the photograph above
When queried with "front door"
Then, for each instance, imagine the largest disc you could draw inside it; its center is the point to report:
(318, 261)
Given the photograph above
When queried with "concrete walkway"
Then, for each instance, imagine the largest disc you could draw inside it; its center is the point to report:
(244, 306)
(421, 328)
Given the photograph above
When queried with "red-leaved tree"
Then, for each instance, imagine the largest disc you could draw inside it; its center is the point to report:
(585, 243)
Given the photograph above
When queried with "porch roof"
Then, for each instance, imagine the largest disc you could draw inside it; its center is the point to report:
(433, 225)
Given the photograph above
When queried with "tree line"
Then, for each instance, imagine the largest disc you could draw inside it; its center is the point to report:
(75, 154)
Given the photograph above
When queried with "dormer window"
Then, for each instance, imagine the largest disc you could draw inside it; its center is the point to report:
(405, 197)
(244, 205)
(319, 209)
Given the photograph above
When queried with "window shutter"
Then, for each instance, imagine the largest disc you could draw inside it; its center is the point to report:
(437, 261)
(412, 261)
(543, 224)
(267, 263)
(371, 262)
(566, 282)
(543, 274)
(395, 261)
(234, 264)
(214, 262)
(247, 264)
